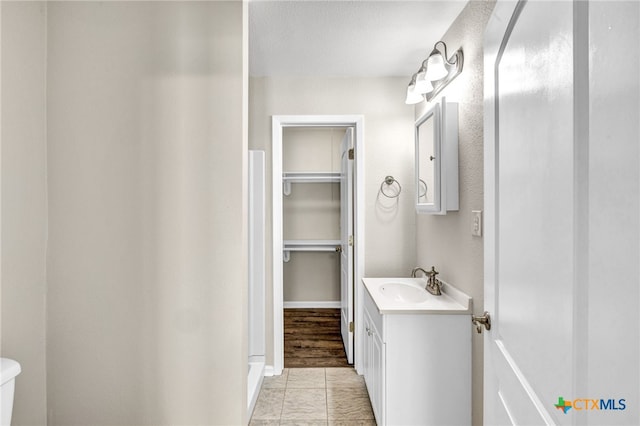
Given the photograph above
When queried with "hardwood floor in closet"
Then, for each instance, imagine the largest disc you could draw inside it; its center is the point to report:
(312, 338)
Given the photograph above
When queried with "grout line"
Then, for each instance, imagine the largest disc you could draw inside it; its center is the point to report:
(326, 396)
(286, 386)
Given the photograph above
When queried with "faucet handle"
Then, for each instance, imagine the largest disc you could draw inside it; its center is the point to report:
(433, 272)
(433, 284)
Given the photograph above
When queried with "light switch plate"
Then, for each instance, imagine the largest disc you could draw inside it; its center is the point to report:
(476, 223)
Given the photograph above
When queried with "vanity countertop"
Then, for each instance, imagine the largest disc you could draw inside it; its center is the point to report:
(451, 302)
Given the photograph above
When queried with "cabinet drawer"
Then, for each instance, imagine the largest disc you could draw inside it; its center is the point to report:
(376, 318)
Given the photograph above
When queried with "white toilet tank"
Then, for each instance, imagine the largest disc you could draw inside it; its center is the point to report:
(9, 369)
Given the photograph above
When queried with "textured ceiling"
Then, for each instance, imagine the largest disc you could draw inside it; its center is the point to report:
(345, 38)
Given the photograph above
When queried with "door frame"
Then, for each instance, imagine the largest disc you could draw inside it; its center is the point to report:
(278, 124)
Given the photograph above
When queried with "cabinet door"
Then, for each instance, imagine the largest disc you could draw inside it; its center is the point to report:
(372, 364)
(428, 161)
(366, 358)
(436, 157)
(374, 358)
(377, 372)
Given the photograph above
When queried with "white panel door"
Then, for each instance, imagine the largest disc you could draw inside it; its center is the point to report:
(529, 250)
(562, 213)
(346, 237)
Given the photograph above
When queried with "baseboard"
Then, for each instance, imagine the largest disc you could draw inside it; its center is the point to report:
(268, 370)
(254, 383)
(309, 305)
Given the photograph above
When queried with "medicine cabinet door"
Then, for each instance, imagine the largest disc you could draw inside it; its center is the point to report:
(428, 145)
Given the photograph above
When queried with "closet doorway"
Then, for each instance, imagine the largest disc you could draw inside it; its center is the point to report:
(348, 242)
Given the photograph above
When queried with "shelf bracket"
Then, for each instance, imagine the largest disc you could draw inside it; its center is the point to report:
(286, 188)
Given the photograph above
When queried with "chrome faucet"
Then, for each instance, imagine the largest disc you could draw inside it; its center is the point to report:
(434, 285)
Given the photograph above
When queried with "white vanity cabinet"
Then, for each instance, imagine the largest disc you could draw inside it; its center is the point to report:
(417, 363)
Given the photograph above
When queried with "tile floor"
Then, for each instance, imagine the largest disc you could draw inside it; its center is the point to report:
(314, 397)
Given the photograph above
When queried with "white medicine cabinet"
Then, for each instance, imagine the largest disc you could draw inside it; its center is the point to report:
(436, 169)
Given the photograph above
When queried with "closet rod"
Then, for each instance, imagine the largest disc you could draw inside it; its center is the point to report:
(309, 245)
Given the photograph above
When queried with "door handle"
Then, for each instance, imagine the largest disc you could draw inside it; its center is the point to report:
(480, 320)
(338, 249)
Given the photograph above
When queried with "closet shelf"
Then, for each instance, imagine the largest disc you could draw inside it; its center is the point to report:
(307, 177)
(308, 245)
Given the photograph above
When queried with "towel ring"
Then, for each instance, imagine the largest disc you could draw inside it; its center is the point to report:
(420, 192)
(389, 181)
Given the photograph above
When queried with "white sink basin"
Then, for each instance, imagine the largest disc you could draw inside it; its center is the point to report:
(401, 292)
(402, 295)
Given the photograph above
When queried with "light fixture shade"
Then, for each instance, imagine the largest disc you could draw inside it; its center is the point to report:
(435, 67)
(423, 85)
(434, 74)
(413, 97)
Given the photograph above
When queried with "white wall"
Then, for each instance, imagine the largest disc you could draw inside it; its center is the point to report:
(147, 193)
(312, 149)
(24, 209)
(446, 241)
(388, 123)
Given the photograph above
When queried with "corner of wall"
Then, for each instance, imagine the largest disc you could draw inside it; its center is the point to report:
(446, 241)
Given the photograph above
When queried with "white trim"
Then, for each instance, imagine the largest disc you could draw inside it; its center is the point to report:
(312, 304)
(257, 256)
(278, 123)
(254, 382)
(277, 240)
(268, 370)
(582, 248)
(254, 376)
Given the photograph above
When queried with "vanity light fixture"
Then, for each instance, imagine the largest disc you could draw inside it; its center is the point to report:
(413, 97)
(435, 72)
